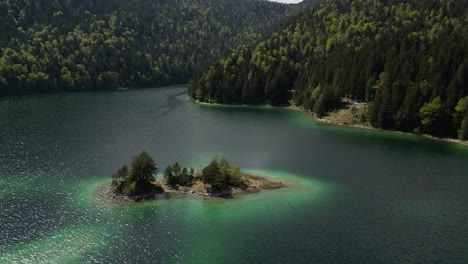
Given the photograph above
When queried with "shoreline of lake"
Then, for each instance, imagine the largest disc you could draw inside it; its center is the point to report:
(328, 120)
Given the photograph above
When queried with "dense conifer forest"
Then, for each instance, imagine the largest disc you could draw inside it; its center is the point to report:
(408, 59)
(59, 45)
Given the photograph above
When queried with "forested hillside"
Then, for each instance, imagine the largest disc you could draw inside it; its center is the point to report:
(408, 59)
(50, 45)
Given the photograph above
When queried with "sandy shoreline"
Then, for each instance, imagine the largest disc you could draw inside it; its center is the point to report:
(361, 126)
(328, 120)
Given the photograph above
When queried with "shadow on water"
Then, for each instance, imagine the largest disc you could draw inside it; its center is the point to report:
(389, 139)
(396, 141)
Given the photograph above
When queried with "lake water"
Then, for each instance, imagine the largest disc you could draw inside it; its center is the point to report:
(354, 196)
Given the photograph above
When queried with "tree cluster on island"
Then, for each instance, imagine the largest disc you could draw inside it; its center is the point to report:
(218, 175)
(140, 177)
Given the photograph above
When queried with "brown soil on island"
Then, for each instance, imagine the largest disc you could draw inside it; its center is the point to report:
(107, 193)
(253, 184)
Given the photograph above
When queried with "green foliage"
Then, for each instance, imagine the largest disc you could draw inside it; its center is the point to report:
(464, 129)
(138, 178)
(175, 175)
(236, 176)
(211, 174)
(168, 175)
(462, 114)
(430, 113)
(119, 177)
(395, 55)
(143, 168)
(102, 44)
(121, 173)
(462, 106)
(221, 175)
(131, 189)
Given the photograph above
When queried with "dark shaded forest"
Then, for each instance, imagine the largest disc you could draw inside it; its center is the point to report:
(407, 59)
(59, 45)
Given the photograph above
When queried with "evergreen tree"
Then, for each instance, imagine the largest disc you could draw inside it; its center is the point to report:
(464, 129)
(431, 115)
(138, 178)
(212, 175)
(395, 55)
(143, 168)
(102, 44)
(171, 179)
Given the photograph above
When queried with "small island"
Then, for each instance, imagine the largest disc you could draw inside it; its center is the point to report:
(218, 179)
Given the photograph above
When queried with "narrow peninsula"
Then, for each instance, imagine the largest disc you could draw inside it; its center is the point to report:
(218, 179)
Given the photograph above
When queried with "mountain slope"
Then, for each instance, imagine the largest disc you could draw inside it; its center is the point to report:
(408, 59)
(97, 44)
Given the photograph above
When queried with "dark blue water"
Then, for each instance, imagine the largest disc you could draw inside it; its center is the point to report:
(355, 196)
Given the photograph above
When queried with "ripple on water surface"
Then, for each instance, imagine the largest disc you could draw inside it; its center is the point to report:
(179, 230)
(355, 196)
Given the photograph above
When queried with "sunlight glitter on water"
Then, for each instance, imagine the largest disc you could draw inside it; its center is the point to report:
(349, 188)
(182, 220)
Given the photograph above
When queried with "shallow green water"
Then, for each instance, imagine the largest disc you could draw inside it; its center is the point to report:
(354, 196)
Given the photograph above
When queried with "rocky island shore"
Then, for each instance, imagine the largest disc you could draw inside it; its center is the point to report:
(216, 180)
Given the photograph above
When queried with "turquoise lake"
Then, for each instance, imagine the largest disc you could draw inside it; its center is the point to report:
(353, 195)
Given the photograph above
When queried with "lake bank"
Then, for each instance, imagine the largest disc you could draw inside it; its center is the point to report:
(343, 117)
